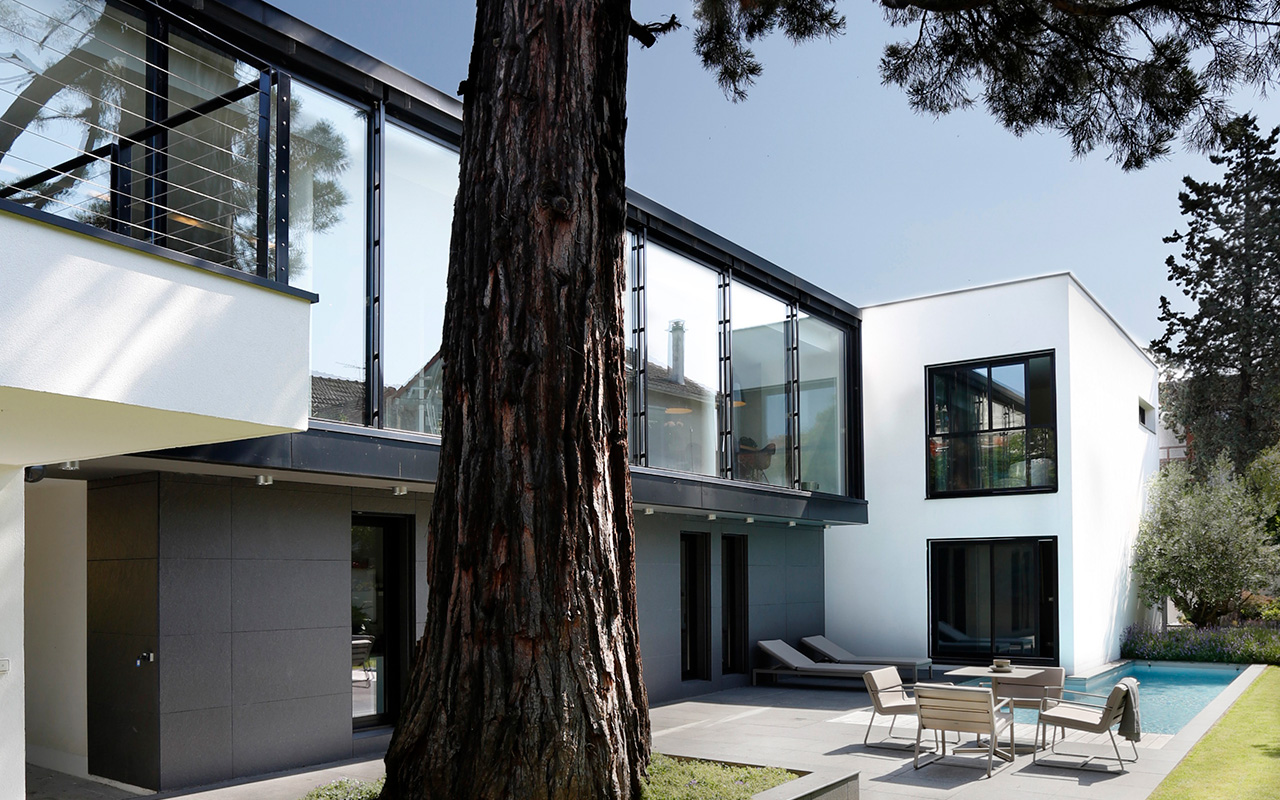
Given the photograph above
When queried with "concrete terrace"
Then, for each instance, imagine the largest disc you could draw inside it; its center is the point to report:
(822, 729)
(812, 729)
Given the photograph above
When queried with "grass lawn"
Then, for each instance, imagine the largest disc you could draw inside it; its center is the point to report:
(1239, 758)
(673, 779)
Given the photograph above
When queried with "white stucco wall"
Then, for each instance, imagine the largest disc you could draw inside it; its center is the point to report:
(95, 338)
(13, 774)
(1113, 456)
(56, 626)
(876, 586)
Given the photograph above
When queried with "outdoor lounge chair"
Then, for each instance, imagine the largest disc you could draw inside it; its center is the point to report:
(1092, 718)
(361, 646)
(792, 662)
(964, 709)
(830, 651)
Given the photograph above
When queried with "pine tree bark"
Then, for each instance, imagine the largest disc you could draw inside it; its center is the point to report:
(527, 682)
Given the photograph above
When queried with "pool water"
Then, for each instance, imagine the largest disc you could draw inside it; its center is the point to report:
(1169, 695)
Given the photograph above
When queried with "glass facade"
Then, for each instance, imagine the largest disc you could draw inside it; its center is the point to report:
(824, 426)
(682, 366)
(69, 83)
(992, 426)
(421, 182)
(761, 386)
(328, 223)
(134, 121)
(737, 382)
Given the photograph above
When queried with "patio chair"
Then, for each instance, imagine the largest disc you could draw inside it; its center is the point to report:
(1032, 691)
(889, 698)
(964, 709)
(1090, 718)
(792, 662)
(830, 651)
(361, 647)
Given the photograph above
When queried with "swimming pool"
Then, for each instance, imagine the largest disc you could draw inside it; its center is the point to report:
(1170, 694)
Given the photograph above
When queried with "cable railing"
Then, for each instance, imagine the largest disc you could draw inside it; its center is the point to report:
(208, 179)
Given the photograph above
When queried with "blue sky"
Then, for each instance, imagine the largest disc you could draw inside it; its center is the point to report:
(830, 175)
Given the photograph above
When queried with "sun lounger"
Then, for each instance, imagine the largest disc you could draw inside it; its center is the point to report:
(792, 662)
(830, 651)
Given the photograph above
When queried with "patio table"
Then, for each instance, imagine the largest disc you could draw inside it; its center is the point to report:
(987, 672)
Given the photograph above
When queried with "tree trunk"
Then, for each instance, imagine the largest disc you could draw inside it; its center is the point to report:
(527, 681)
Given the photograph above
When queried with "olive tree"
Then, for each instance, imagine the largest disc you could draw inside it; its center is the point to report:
(1202, 543)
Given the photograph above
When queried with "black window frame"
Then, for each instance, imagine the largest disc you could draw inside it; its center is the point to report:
(991, 363)
(642, 234)
(1050, 626)
(735, 649)
(695, 606)
(399, 642)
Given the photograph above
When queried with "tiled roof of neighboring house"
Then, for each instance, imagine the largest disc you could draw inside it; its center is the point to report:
(660, 381)
(335, 393)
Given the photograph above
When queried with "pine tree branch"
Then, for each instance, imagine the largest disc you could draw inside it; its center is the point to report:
(647, 35)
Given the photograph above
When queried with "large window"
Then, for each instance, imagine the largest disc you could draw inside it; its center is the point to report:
(421, 184)
(381, 620)
(682, 364)
(762, 398)
(695, 606)
(824, 431)
(991, 427)
(993, 597)
(727, 379)
(327, 241)
(111, 119)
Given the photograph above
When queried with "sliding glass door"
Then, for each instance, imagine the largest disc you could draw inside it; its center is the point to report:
(993, 597)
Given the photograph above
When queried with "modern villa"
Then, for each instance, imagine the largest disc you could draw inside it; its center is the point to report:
(221, 302)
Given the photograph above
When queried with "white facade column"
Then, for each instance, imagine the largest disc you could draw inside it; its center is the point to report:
(13, 746)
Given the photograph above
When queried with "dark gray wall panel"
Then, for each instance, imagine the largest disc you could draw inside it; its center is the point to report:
(290, 523)
(291, 733)
(195, 595)
(803, 619)
(196, 518)
(196, 747)
(122, 596)
(781, 600)
(286, 594)
(195, 672)
(122, 618)
(122, 518)
(124, 744)
(291, 664)
(804, 585)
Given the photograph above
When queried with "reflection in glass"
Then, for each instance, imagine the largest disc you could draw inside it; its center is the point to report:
(72, 78)
(682, 389)
(761, 405)
(823, 425)
(212, 160)
(368, 621)
(960, 596)
(327, 245)
(993, 597)
(420, 184)
(992, 426)
(631, 339)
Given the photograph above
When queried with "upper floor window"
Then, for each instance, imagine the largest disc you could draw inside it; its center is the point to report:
(992, 427)
(727, 380)
(112, 119)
